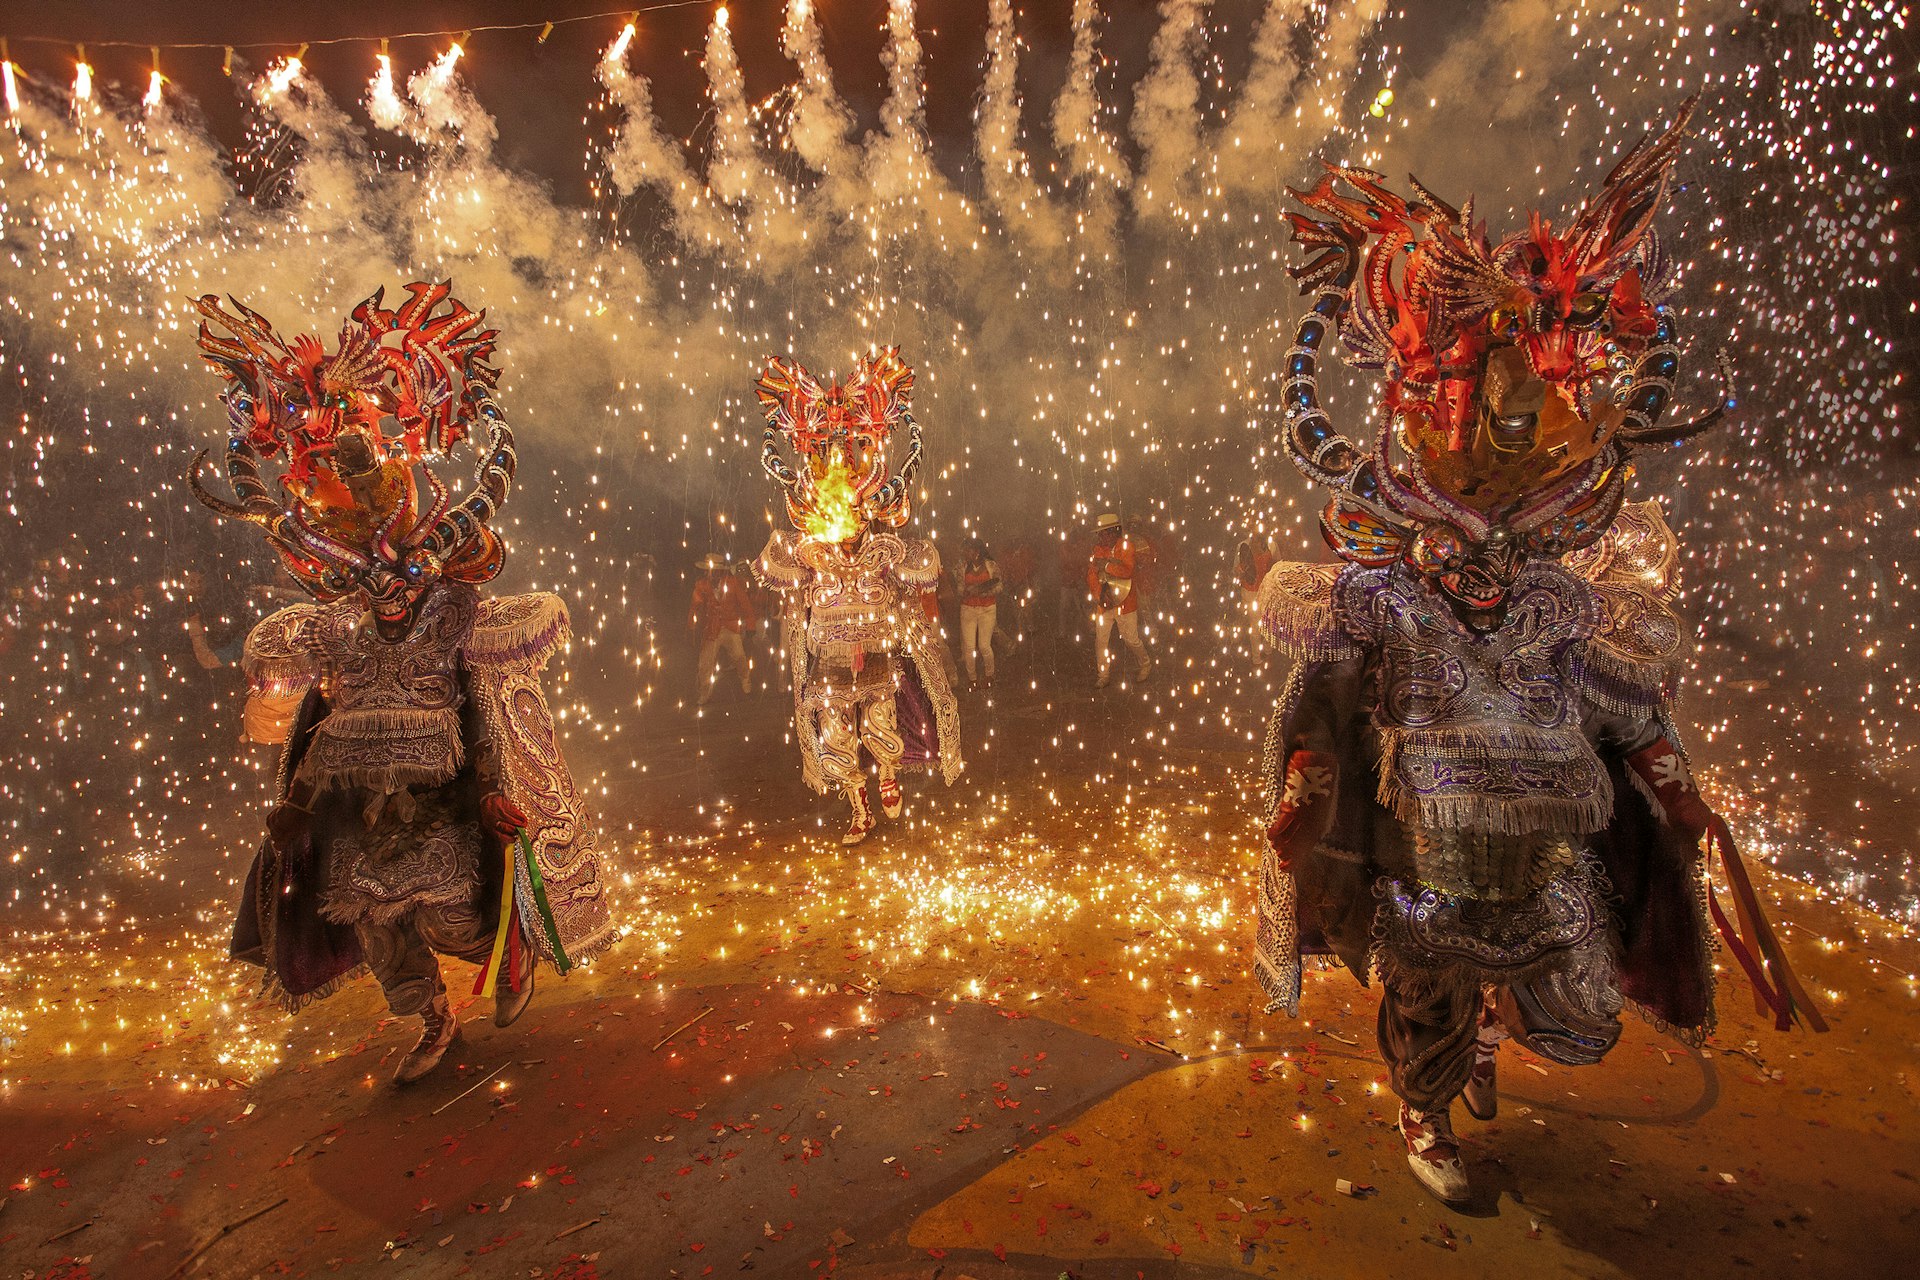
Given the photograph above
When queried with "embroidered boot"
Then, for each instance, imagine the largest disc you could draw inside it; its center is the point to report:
(438, 1031)
(1480, 1095)
(1433, 1153)
(863, 820)
(890, 799)
(508, 1003)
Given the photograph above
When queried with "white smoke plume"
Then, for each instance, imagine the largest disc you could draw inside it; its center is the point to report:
(734, 160)
(1080, 133)
(1341, 46)
(822, 125)
(1007, 174)
(897, 160)
(1166, 116)
(1251, 148)
(643, 154)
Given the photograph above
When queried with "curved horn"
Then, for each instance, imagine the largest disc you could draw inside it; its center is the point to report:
(442, 497)
(890, 493)
(1651, 435)
(327, 550)
(265, 518)
(775, 465)
(492, 480)
(1653, 379)
(1321, 453)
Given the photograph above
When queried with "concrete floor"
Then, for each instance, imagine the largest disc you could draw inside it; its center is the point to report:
(1012, 1036)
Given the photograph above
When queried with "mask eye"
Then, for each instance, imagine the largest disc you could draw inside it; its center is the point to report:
(1503, 322)
(1586, 310)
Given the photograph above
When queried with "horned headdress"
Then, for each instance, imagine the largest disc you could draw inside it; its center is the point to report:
(1520, 377)
(839, 432)
(352, 431)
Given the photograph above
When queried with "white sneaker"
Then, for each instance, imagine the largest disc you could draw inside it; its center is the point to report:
(1433, 1153)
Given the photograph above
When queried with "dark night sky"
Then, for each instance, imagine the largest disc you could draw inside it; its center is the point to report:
(540, 93)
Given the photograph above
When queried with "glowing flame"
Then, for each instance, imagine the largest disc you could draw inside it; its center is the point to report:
(82, 82)
(12, 90)
(282, 75)
(833, 512)
(153, 88)
(618, 49)
(383, 102)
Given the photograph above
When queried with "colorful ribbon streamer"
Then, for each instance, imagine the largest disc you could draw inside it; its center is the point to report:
(505, 945)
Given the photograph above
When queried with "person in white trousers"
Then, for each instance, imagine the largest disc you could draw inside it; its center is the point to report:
(979, 585)
(1116, 599)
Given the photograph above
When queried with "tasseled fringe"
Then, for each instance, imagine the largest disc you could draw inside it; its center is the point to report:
(272, 991)
(593, 946)
(533, 638)
(1297, 614)
(1500, 814)
(1692, 1037)
(1615, 681)
(1492, 747)
(1276, 962)
(351, 907)
(279, 677)
(1645, 792)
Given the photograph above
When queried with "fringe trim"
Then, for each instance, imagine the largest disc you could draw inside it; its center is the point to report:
(1297, 614)
(360, 723)
(1615, 680)
(497, 640)
(1692, 1037)
(594, 945)
(353, 907)
(777, 566)
(1493, 749)
(1459, 976)
(280, 680)
(272, 990)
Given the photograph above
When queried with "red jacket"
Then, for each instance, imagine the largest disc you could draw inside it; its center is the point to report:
(721, 604)
(974, 584)
(1116, 562)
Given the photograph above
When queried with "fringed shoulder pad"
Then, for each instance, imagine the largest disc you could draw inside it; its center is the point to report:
(919, 564)
(523, 628)
(1299, 615)
(779, 563)
(1631, 666)
(1638, 550)
(282, 655)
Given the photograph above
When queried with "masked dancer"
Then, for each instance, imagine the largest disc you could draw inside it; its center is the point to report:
(869, 683)
(1475, 787)
(424, 808)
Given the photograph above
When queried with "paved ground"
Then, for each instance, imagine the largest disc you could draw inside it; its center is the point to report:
(1013, 1036)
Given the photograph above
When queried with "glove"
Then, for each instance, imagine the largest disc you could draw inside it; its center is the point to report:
(501, 816)
(1305, 810)
(1665, 774)
(285, 822)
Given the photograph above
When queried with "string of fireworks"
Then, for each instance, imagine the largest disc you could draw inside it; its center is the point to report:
(11, 73)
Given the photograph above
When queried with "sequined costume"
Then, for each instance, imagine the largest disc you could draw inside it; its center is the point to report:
(1474, 785)
(424, 806)
(869, 680)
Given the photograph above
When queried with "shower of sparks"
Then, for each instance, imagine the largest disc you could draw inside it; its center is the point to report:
(1095, 310)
